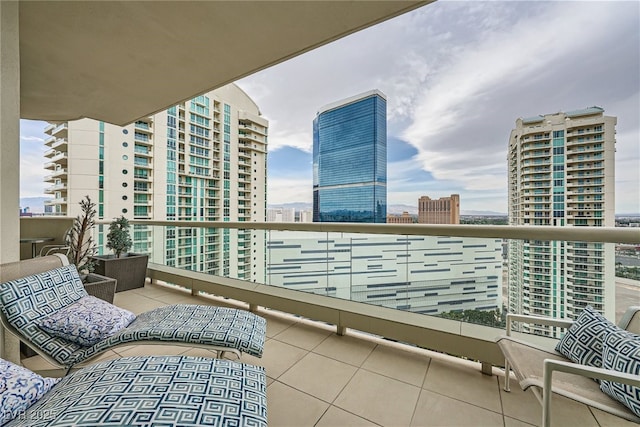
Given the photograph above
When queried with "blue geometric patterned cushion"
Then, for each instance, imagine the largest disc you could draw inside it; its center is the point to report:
(155, 391)
(26, 300)
(87, 321)
(621, 353)
(583, 341)
(19, 389)
(198, 324)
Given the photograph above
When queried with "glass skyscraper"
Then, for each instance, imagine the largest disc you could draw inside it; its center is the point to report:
(350, 160)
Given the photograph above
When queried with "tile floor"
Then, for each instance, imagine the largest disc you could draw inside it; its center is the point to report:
(317, 378)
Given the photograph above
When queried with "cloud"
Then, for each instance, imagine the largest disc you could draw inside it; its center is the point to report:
(287, 190)
(32, 158)
(457, 75)
(462, 116)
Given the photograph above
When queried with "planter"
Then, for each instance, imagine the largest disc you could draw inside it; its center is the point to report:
(100, 286)
(130, 271)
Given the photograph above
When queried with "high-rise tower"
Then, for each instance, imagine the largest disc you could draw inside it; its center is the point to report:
(445, 210)
(201, 160)
(561, 173)
(350, 160)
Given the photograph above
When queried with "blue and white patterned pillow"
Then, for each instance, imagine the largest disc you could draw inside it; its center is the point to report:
(87, 321)
(583, 341)
(621, 353)
(19, 389)
(26, 300)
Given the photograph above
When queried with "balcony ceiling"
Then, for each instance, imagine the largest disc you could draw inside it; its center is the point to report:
(118, 61)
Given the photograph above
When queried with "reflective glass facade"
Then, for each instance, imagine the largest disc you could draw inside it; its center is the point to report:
(350, 161)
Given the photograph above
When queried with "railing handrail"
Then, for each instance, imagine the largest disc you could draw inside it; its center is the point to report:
(628, 235)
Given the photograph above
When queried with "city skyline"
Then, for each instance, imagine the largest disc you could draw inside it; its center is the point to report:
(453, 95)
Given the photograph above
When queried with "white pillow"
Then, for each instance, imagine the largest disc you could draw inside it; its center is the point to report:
(87, 321)
(19, 389)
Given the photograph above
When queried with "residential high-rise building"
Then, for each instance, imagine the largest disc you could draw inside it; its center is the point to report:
(561, 173)
(350, 160)
(445, 210)
(201, 160)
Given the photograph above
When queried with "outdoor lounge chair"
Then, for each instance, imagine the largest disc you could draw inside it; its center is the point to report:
(546, 371)
(26, 301)
(137, 391)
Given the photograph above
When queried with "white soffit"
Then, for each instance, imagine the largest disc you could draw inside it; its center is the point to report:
(118, 61)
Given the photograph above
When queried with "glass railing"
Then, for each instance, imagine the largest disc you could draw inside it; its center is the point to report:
(425, 274)
(414, 283)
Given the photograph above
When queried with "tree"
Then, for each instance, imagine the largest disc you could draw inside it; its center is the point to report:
(82, 247)
(119, 238)
(496, 318)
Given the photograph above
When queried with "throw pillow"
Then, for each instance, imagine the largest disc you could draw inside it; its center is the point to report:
(621, 353)
(583, 341)
(19, 389)
(87, 321)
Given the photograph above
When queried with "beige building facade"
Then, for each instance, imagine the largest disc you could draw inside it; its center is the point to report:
(405, 218)
(201, 160)
(445, 210)
(561, 173)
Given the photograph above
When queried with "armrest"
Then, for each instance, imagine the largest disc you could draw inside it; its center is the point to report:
(587, 371)
(574, 368)
(538, 320)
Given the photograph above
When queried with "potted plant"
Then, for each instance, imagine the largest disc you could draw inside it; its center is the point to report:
(129, 269)
(82, 247)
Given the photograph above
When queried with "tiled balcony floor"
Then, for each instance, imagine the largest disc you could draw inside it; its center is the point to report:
(317, 378)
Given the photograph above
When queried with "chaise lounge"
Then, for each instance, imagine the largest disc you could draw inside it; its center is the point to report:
(39, 290)
(160, 390)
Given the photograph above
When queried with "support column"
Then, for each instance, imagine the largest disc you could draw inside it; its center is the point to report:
(487, 368)
(9, 150)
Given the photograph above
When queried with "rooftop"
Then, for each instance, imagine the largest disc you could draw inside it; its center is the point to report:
(317, 378)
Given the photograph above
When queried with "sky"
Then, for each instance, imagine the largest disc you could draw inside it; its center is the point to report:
(456, 75)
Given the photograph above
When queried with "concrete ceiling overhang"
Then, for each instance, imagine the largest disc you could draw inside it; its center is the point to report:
(118, 61)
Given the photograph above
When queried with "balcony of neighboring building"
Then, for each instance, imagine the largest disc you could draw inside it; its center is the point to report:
(144, 126)
(60, 158)
(142, 137)
(142, 150)
(60, 131)
(58, 173)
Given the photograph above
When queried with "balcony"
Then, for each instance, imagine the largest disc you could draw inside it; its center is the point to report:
(361, 380)
(347, 379)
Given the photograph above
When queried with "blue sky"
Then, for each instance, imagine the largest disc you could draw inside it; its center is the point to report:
(456, 75)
